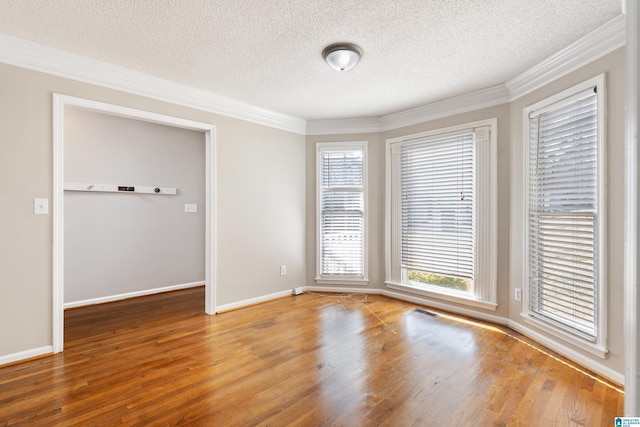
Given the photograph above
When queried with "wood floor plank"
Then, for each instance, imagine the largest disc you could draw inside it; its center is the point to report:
(308, 360)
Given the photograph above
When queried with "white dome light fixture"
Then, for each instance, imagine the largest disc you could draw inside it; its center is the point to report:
(342, 56)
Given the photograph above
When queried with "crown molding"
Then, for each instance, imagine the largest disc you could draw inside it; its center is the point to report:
(472, 101)
(476, 100)
(603, 40)
(347, 126)
(25, 54)
(594, 45)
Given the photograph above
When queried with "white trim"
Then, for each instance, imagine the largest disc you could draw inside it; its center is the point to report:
(26, 354)
(343, 281)
(252, 301)
(486, 215)
(476, 100)
(603, 208)
(346, 126)
(118, 297)
(631, 229)
(343, 290)
(343, 146)
(552, 344)
(492, 122)
(594, 45)
(486, 305)
(566, 337)
(599, 348)
(589, 48)
(539, 338)
(567, 94)
(498, 320)
(25, 54)
(487, 181)
(472, 101)
(211, 221)
(59, 104)
(134, 113)
(392, 208)
(58, 225)
(568, 352)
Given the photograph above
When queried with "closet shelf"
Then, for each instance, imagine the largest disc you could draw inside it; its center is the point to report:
(115, 188)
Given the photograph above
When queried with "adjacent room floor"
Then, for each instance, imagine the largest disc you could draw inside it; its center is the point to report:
(314, 359)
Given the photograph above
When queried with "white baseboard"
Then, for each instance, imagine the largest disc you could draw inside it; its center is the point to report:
(118, 297)
(413, 299)
(568, 352)
(252, 301)
(342, 290)
(551, 343)
(499, 320)
(26, 354)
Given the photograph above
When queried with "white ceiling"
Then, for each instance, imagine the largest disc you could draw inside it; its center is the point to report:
(268, 52)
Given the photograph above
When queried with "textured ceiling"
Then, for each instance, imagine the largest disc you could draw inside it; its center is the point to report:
(268, 52)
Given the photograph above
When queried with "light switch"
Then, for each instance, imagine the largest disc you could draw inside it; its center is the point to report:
(191, 207)
(41, 206)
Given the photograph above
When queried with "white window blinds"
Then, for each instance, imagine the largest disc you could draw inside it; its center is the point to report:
(437, 206)
(441, 214)
(341, 213)
(563, 214)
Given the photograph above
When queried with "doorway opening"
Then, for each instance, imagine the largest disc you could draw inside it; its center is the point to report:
(62, 102)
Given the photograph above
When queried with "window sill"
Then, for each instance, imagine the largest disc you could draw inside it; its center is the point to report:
(341, 281)
(593, 348)
(486, 305)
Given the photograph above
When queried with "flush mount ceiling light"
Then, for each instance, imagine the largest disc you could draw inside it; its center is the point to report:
(342, 56)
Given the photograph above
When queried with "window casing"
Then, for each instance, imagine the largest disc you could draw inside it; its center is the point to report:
(565, 221)
(341, 212)
(441, 214)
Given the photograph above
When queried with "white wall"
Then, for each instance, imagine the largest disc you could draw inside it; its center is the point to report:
(124, 243)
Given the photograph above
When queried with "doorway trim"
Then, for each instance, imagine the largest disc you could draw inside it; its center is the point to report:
(632, 222)
(60, 102)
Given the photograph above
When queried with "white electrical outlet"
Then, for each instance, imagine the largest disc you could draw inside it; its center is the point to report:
(283, 270)
(518, 294)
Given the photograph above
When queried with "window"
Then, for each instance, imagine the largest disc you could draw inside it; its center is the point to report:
(441, 214)
(341, 212)
(564, 291)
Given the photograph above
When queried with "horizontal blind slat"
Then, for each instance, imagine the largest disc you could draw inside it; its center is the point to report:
(437, 205)
(562, 213)
(342, 213)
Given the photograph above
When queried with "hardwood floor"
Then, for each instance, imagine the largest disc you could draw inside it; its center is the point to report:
(306, 360)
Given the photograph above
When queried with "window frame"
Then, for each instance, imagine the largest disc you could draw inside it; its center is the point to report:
(485, 293)
(348, 146)
(599, 346)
